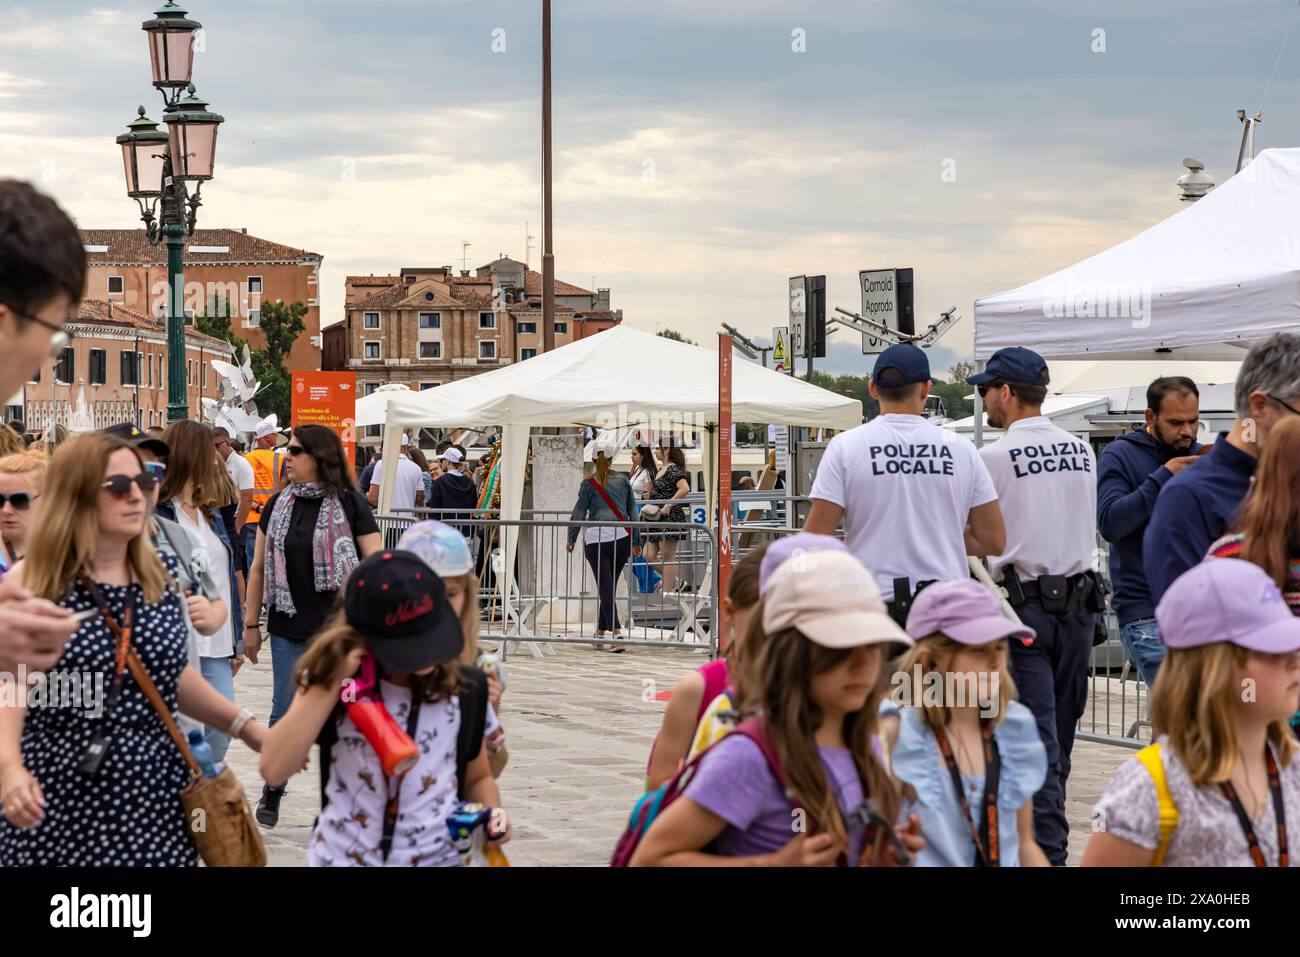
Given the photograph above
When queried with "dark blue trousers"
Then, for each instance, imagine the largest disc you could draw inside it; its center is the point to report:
(1052, 678)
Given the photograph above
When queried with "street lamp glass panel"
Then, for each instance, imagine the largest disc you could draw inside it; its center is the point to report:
(194, 150)
(171, 54)
(144, 168)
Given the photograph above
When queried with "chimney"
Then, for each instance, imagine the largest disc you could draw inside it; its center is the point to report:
(601, 299)
(244, 230)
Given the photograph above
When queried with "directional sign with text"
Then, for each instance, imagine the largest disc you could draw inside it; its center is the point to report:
(879, 304)
(798, 316)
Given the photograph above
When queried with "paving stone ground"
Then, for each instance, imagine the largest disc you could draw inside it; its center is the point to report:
(579, 726)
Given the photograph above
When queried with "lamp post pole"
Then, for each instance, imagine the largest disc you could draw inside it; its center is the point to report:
(174, 229)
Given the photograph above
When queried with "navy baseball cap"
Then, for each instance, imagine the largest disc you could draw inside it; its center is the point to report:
(129, 433)
(1013, 364)
(899, 365)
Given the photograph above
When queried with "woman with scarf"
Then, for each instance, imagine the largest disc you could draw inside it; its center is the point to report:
(310, 537)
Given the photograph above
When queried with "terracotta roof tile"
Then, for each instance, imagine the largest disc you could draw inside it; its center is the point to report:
(372, 280)
(103, 313)
(533, 286)
(131, 246)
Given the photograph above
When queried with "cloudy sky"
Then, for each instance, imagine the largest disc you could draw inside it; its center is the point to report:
(706, 150)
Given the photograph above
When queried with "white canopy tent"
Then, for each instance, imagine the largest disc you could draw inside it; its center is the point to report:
(1203, 284)
(617, 378)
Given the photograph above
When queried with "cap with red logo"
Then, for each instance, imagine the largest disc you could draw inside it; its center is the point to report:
(400, 605)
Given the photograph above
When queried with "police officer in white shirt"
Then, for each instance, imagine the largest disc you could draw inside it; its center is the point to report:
(1046, 480)
(915, 499)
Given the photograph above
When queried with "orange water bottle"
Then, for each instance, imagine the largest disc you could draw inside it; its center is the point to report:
(365, 706)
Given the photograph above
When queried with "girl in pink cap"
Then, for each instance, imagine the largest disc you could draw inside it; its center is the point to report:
(1220, 787)
(967, 752)
(797, 783)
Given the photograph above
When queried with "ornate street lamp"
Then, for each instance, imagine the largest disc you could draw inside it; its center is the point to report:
(159, 166)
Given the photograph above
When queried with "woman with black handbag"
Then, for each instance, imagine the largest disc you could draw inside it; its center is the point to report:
(103, 776)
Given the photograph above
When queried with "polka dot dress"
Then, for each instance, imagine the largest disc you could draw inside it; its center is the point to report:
(129, 814)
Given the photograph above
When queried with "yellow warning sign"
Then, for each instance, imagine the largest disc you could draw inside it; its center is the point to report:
(779, 352)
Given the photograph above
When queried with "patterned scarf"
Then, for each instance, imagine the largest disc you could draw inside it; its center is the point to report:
(333, 552)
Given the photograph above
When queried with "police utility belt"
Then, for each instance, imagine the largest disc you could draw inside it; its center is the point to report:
(1059, 595)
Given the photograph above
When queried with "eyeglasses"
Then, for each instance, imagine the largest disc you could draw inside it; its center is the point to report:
(295, 450)
(983, 388)
(21, 501)
(219, 443)
(62, 335)
(156, 469)
(119, 486)
(1283, 403)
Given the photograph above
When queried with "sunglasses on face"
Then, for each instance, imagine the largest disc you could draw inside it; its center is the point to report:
(983, 388)
(156, 469)
(21, 501)
(295, 450)
(119, 486)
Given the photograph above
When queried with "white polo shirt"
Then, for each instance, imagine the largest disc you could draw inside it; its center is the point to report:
(1047, 483)
(907, 488)
(409, 480)
(240, 471)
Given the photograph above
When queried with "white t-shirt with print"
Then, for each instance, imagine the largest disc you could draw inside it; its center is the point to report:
(408, 481)
(350, 828)
(222, 643)
(907, 488)
(1046, 480)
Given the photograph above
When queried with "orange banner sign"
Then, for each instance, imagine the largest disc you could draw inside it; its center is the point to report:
(328, 399)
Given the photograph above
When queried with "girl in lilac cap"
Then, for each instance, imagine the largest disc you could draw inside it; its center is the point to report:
(966, 751)
(1220, 787)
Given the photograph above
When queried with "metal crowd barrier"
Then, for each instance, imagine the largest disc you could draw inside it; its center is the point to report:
(554, 598)
(1117, 707)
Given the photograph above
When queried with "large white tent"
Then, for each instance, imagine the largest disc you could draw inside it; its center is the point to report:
(616, 378)
(1204, 284)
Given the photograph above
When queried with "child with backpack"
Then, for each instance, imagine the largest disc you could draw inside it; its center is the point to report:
(967, 752)
(1220, 787)
(397, 624)
(446, 551)
(798, 783)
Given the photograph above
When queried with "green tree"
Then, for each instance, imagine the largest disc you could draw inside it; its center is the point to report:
(953, 390)
(281, 325)
(215, 321)
(676, 336)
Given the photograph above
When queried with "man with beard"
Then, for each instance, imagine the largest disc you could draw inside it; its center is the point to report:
(1132, 471)
(1046, 480)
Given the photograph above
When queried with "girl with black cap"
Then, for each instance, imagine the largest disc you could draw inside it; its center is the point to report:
(396, 619)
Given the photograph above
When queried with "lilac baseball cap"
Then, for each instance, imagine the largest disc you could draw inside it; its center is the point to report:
(966, 612)
(788, 547)
(1227, 599)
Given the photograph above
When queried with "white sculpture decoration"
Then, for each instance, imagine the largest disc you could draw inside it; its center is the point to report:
(234, 409)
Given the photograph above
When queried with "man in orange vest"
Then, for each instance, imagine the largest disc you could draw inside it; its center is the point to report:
(268, 478)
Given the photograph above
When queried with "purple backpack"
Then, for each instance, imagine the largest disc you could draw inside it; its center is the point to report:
(649, 806)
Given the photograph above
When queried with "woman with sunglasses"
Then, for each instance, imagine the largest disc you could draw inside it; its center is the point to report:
(193, 489)
(311, 535)
(97, 782)
(20, 485)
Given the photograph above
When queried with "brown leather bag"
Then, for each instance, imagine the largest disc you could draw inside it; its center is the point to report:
(216, 809)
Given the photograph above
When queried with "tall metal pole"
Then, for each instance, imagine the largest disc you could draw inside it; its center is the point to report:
(548, 250)
(173, 223)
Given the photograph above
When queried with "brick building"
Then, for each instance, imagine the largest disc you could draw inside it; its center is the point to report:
(244, 271)
(119, 356)
(429, 326)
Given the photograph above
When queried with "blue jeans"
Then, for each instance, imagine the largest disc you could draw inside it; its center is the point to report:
(1142, 644)
(284, 658)
(248, 536)
(217, 673)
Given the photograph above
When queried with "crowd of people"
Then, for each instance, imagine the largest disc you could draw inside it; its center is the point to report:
(905, 694)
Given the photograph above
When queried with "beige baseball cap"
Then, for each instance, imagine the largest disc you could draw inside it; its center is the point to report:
(832, 599)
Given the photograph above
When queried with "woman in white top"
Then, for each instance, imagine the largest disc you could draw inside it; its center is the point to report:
(191, 496)
(643, 472)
